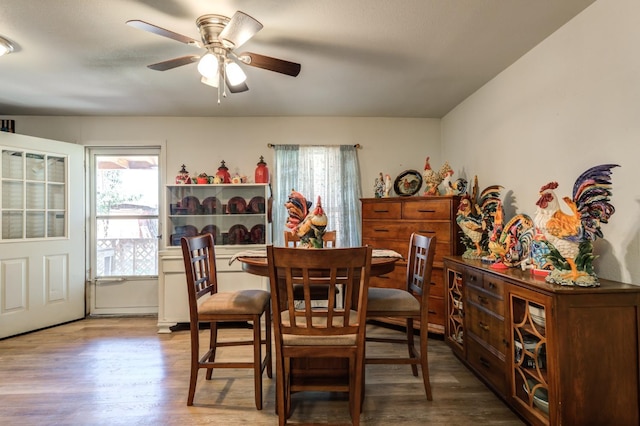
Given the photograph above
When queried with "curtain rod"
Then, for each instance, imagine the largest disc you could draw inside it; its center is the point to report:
(270, 145)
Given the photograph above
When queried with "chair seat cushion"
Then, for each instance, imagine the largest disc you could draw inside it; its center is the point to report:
(305, 340)
(391, 300)
(237, 302)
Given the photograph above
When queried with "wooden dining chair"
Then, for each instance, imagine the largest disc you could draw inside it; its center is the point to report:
(319, 332)
(293, 240)
(238, 306)
(409, 304)
(328, 241)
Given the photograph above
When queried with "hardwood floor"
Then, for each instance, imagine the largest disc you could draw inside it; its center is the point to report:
(118, 371)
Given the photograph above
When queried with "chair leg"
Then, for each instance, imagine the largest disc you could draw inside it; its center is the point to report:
(257, 361)
(213, 345)
(356, 384)
(268, 349)
(411, 345)
(424, 361)
(281, 409)
(195, 361)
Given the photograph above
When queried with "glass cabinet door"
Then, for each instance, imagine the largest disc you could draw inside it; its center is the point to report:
(455, 312)
(236, 214)
(530, 386)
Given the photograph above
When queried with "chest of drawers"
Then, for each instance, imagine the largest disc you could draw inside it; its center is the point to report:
(389, 222)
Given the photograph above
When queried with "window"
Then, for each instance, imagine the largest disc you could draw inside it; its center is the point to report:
(34, 195)
(126, 215)
(330, 172)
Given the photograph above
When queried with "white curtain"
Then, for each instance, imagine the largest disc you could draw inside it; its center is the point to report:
(330, 172)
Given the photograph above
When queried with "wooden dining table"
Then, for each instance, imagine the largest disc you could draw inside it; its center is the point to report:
(316, 371)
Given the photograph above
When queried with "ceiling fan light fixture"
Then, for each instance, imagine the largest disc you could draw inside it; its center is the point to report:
(5, 46)
(208, 66)
(213, 82)
(235, 75)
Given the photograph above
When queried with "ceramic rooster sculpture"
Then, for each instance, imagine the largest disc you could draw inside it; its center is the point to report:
(510, 244)
(431, 178)
(308, 225)
(298, 208)
(476, 218)
(571, 235)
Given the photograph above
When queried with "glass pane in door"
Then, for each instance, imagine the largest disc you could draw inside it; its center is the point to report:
(126, 215)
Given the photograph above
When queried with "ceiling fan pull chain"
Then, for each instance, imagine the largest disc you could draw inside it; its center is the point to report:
(220, 77)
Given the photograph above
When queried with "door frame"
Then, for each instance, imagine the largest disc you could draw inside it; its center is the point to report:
(116, 149)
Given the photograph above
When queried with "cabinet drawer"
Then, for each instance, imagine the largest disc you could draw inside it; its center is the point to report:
(398, 278)
(426, 210)
(484, 281)
(488, 365)
(402, 247)
(382, 210)
(486, 300)
(394, 279)
(402, 230)
(486, 326)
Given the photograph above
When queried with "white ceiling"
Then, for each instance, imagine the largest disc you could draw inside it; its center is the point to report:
(374, 58)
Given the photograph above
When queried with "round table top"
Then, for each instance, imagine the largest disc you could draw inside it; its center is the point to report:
(258, 265)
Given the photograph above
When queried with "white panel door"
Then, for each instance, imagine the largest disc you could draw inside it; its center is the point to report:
(42, 241)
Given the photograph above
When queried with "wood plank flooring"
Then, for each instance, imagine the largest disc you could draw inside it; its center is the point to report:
(119, 371)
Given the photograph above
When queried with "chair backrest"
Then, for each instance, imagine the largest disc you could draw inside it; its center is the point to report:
(292, 240)
(422, 250)
(346, 267)
(199, 257)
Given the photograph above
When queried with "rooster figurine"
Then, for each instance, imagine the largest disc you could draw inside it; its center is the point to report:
(476, 217)
(571, 236)
(432, 179)
(311, 229)
(297, 207)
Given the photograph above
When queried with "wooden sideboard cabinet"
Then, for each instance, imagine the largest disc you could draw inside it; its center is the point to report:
(557, 355)
(389, 222)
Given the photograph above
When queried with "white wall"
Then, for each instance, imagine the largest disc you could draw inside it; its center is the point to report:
(570, 103)
(389, 145)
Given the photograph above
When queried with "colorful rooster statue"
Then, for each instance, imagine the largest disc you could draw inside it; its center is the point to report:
(310, 227)
(571, 236)
(476, 217)
(298, 208)
(510, 244)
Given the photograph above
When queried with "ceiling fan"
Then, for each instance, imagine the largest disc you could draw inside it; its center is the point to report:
(220, 36)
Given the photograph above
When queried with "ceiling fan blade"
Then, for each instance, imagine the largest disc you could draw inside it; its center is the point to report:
(174, 63)
(145, 26)
(269, 63)
(242, 87)
(240, 28)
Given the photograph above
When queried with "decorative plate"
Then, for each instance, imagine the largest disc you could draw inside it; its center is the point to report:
(211, 205)
(408, 183)
(256, 205)
(257, 234)
(236, 205)
(211, 229)
(187, 231)
(191, 204)
(238, 234)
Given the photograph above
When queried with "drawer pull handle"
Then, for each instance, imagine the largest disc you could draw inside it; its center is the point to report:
(381, 211)
(426, 211)
(483, 300)
(483, 326)
(492, 285)
(485, 363)
(426, 231)
(432, 312)
(381, 230)
(432, 283)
